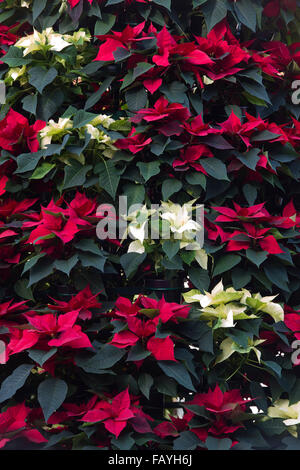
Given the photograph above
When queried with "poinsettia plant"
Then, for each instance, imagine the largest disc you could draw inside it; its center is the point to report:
(173, 105)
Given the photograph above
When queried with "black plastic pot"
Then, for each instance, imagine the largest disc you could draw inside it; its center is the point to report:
(170, 289)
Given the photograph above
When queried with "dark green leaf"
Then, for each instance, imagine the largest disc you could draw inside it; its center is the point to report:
(40, 77)
(178, 372)
(215, 168)
(169, 187)
(148, 169)
(187, 441)
(104, 25)
(39, 356)
(225, 263)
(51, 394)
(67, 265)
(75, 174)
(13, 382)
(145, 382)
(131, 262)
(214, 11)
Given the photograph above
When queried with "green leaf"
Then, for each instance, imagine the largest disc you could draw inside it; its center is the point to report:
(14, 57)
(145, 382)
(75, 174)
(196, 179)
(109, 177)
(95, 97)
(51, 394)
(246, 13)
(225, 263)
(198, 410)
(187, 441)
(105, 358)
(104, 25)
(82, 118)
(256, 257)
(124, 442)
(30, 103)
(256, 90)
(214, 11)
(178, 372)
(171, 248)
(174, 92)
(131, 262)
(40, 77)
(140, 69)
(128, 80)
(250, 193)
(40, 270)
(274, 366)
(14, 381)
(4, 15)
(121, 54)
(250, 158)
(197, 3)
(277, 275)
(166, 385)
(32, 261)
(89, 245)
(215, 168)
(65, 266)
(113, 2)
(91, 260)
(212, 443)
(138, 353)
(39, 356)
(169, 187)
(136, 99)
(49, 102)
(37, 8)
(292, 443)
(264, 136)
(42, 171)
(57, 438)
(240, 278)
(199, 278)
(22, 290)
(175, 263)
(163, 3)
(28, 161)
(148, 170)
(135, 193)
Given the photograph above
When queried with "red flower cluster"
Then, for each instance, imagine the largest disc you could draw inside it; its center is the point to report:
(7, 38)
(116, 412)
(221, 408)
(217, 56)
(15, 423)
(139, 329)
(272, 8)
(17, 136)
(253, 234)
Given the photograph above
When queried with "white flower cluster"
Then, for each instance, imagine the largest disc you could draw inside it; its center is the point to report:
(49, 40)
(56, 130)
(169, 222)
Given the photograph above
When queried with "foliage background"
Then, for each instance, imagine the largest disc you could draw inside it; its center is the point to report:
(148, 67)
